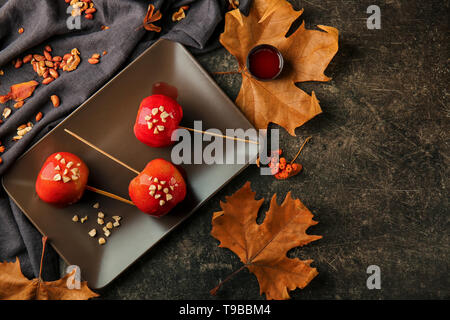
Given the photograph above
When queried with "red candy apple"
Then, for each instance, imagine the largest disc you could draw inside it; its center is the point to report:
(158, 188)
(62, 179)
(157, 118)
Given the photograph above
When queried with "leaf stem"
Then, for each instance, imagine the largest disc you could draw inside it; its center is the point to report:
(44, 241)
(213, 292)
(301, 148)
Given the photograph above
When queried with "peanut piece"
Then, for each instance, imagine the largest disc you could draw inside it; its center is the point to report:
(55, 100)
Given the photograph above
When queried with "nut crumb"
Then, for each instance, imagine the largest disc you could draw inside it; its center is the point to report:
(101, 215)
(84, 219)
(109, 225)
(75, 218)
(116, 224)
(101, 241)
(96, 205)
(55, 100)
(100, 221)
(6, 112)
(178, 15)
(19, 104)
(117, 218)
(39, 117)
(92, 233)
(107, 233)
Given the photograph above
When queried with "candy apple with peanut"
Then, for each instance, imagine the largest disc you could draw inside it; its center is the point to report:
(62, 179)
(158, 117)
(158, 188)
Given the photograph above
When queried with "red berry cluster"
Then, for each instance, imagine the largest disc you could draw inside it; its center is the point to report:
(280, 168)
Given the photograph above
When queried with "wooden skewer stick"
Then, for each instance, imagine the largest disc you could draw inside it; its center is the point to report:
(109, 194)
(219, 135)
(101, 151)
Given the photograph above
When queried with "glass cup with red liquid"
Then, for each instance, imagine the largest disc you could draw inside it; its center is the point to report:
(265, 62)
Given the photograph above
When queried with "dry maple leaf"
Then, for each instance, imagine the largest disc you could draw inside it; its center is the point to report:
(262, 248)
(307, 53)
(20, 91)
(15, 286)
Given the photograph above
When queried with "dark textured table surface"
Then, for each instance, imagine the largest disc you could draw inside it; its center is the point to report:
(375, 173)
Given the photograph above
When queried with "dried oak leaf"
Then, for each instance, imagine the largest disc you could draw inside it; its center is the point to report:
(262, 248)
(15, 286)
(20, 91)
(307, 53)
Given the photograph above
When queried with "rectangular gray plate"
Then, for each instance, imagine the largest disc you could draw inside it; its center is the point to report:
(106, 119)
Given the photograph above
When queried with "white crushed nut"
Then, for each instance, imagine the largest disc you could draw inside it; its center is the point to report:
(155, 120)
(155, 180)
(149, 125)
(101, 241)
(152, 187)
(166, 190)
(101, 215)
(93, 232)
(57, 177)
(164, 115)
(66, 179)
(109, 225)
(58, 157)
(159, 187)
(57, 168)
(100, 221)
(96, 205)
(161, 108)
(65, 171)
(157, 196)
(63, 161)
(69, 164)
(23, 131)
(171, 188)
(152, 193)
(169, 197)
(75, 218)
(117, 218)
(163, 182)
(147, 117)
(74, 177)
(107, 233)
(156, 131)
(16, 138)
(162, 202)
(154, 111)
(116, 224)
(160, 128)
(6, 112)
